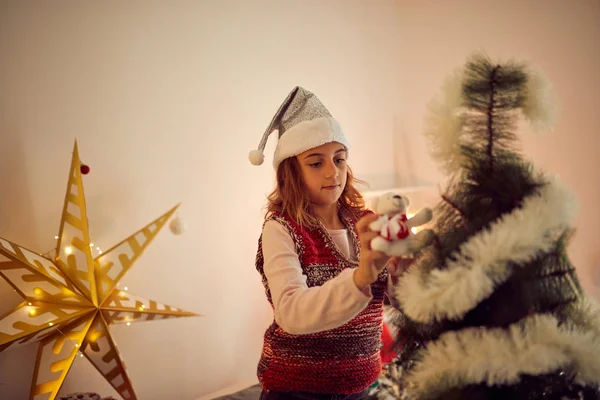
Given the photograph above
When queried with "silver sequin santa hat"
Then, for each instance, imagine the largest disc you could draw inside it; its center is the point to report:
(303, 123)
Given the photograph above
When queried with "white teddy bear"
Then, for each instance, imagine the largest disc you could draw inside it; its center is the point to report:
(395, 229)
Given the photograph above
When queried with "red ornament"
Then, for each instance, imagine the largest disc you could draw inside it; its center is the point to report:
(388, 353)
(84, 169)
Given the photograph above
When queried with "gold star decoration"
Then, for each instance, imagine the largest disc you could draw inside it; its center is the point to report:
(71, 298)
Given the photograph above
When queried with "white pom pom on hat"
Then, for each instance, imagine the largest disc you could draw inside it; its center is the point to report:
(256, 157)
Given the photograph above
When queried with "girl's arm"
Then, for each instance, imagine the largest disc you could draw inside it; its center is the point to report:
(298, 308)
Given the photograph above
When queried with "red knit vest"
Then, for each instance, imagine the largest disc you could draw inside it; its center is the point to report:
(342, 360)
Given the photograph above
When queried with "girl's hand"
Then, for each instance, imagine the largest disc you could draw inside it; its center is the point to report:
(371, 262)
(397, 266)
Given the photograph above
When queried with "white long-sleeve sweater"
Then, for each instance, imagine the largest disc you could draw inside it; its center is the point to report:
(302, 310)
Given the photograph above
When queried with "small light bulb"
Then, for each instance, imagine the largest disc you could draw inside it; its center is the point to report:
(99, 251)
(37, 291)
(125, 288)
(97, 248)
(80, 354)
(55, 237)
(68, 250)
(76, 344)
(29, 303)
(129, 323)
(50, 324)
(91, 244)
(31, 313)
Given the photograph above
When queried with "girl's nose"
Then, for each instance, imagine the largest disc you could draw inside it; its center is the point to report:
(331, 171)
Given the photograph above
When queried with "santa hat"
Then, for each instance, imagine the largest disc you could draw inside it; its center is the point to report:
(303, 123)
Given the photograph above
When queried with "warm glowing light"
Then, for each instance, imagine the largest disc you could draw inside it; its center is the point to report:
(415, 229)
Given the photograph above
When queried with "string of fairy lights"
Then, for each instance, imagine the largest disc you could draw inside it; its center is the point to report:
(50, 254)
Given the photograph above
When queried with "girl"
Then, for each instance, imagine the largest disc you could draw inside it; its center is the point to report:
(325, 284)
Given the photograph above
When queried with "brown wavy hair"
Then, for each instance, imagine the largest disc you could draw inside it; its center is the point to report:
(291, 195)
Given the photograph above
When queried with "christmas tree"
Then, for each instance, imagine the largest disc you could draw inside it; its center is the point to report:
(493, 309)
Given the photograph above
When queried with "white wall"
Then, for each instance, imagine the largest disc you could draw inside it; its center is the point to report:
(560, 37)
(165, 100)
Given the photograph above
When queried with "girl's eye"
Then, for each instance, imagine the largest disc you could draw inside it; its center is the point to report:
(340, 160)
(315, 165)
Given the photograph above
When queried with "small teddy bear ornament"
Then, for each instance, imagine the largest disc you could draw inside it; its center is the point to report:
(396, 237)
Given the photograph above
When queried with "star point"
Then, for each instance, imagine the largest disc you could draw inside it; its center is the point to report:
(71, 300)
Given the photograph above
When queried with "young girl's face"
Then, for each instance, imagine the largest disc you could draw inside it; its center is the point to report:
(324, 172)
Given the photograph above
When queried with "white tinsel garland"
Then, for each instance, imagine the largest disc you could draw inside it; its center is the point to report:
(541, 107)
(444, 124)
(481, 263)
(536, 345)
